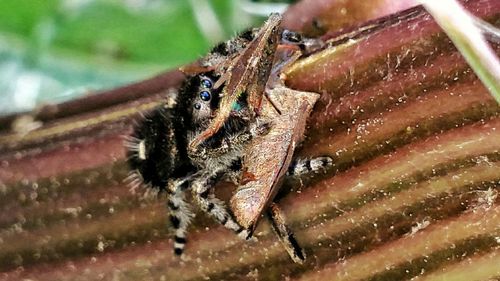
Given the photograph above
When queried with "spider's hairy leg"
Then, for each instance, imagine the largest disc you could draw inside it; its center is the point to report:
(303, 166)
(179, 213)
(201, 188)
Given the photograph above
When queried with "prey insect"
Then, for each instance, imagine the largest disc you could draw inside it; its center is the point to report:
(159, 152)
(263, 173)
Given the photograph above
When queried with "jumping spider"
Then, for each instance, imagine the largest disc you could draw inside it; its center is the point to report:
(158, 152)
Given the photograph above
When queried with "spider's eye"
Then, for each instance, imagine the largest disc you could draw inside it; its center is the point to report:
(197, 106)
(205, 96)
(206, 83)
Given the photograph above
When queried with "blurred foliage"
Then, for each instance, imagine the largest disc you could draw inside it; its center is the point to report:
(54, 50)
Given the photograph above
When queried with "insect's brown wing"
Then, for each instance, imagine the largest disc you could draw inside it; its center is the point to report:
(267, 159)
(246, 73)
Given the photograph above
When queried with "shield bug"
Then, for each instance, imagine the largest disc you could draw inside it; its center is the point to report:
(267, 160)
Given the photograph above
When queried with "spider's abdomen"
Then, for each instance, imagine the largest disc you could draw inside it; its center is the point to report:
(153, 149)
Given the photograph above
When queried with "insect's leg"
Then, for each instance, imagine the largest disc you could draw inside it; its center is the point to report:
(201, 187)
(179, 213)
(303, 166)
(306, 45)
(275, 215)
(255, 129)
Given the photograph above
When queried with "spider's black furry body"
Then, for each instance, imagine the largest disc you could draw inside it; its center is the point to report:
(158, 148)
(159, 158)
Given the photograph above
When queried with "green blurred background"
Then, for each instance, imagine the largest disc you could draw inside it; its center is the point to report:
(55, 50)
